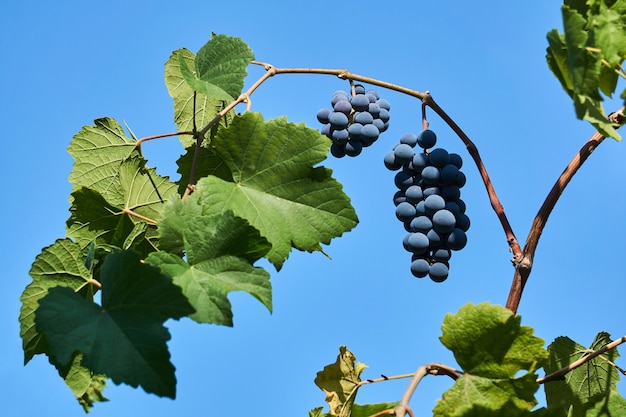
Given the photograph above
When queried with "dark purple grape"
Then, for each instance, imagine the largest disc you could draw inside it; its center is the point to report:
(438, 272)
(322, 115)
(426, 139)
(420, 268)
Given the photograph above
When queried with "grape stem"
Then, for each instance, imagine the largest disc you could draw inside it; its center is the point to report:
(524, 265)
(558, 375)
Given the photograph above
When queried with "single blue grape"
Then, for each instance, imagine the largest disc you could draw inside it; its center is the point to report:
(420, 160)
(383, 114)
(343, 106)
(438, 272)
(399, 197)
(409, 139)
(438, 157)
(322, 115)
(374, 110)
(421, 224)
(426, 139)
(405, 211)
(390, 161)
(463, 222)
(380, 125)
(420, 268)
(417, 243)
(414, 194)
(434, 202)
(363, 117)
(338, 120)
(354, 147)
(443, 221)
(355, 129)
(359, 89)
(360, 102)
(370, 134)
(371, 97)
(457, 239)
(338, 96)
(340, 136)
(338, 151)
(430, 191)
(373, 92)
(431, 175)
(383, 104)
(449, 174)
(456, 160)
(403, 179)
(404, 153)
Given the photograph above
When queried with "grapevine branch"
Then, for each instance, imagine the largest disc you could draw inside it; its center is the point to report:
(345, 74)
(430, 369)
(523, 268)
(558, 375)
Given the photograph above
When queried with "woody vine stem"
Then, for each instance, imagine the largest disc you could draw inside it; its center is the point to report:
(522, 258)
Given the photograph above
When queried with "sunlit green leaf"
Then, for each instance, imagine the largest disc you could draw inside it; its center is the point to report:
(219, 250)
(60, 264)
(276, 184)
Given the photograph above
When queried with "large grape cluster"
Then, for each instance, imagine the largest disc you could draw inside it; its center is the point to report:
(429, 202)
(354, 122)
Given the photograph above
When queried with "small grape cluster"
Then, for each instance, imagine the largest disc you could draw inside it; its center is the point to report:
(354, 122)
(429, 202)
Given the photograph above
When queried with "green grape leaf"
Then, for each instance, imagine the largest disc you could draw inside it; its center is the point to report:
(145, 191)
(208, 164)
(125, 338)
(60, 264)
(92, 219)
(276, 186)
(492, 348)
(229, 235)
(591, 385)
(223, 62)
(340, 381)
(202, 86)
(487, 340)
(128, 224)
(586, 58)
(86, 386)
(368, 410)
(206, 107)
(98, 152)
(219, 250)
(473, 395)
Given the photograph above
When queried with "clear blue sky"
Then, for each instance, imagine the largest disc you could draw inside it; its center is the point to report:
(67, 63)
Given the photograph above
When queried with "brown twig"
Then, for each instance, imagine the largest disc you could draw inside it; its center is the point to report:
(514, 246)
(558, 375)
(524, 266)
(431, 369)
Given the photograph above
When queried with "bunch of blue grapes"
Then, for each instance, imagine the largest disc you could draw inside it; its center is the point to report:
(354, 122)
(429, 202)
